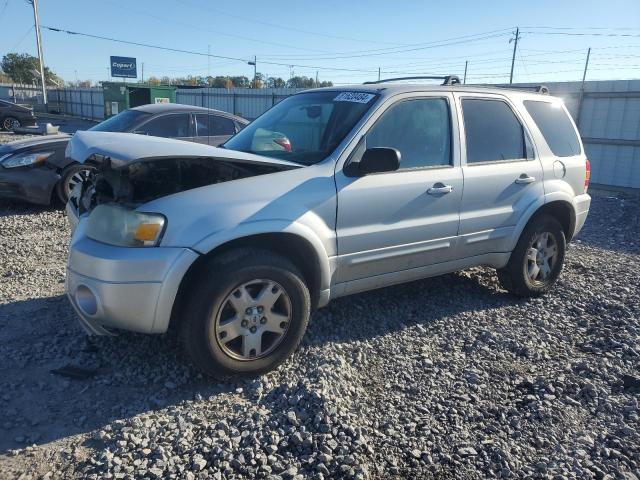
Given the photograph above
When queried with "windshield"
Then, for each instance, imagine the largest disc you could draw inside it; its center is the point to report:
(122, 122)
(303, 128)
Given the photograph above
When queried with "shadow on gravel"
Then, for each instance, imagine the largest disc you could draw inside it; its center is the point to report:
(140, 373)
(613, 222)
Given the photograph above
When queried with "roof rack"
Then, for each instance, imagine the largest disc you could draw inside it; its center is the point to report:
(543, 89)
(446, 79)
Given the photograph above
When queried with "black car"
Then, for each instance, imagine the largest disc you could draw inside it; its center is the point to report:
(13, 116)
(36, 170)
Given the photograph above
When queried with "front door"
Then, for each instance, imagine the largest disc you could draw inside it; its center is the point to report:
(502, 176)
(396, 221)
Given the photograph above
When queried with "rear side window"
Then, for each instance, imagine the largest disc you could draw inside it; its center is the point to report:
(556, 128)
(214, 125)
(492, 131)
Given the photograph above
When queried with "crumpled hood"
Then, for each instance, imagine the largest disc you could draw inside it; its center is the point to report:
(124, 148)
(39, 141)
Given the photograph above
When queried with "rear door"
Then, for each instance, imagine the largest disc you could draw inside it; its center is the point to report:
(213, 129)
(390, 222)
(171, 125)
(502, 174)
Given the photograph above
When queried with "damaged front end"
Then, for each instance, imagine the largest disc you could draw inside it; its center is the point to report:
(130, 170)
(140, 182)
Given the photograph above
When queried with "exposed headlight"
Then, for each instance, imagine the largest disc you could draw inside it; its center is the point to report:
(125, 228)
(24, 159)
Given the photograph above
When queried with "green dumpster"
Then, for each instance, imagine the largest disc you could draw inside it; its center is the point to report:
(120, 96)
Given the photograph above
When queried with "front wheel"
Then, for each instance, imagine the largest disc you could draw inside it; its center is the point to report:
(71, 176)
(536, 262)
(10, 123)
(246, 315)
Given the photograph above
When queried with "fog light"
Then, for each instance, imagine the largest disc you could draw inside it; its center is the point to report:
(86, 300)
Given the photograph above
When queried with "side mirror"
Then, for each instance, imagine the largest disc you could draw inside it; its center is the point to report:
(379, 160)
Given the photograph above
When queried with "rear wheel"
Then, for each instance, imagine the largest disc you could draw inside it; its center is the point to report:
(536, 262)
(71, 176)
(10, 123)
(247, 314)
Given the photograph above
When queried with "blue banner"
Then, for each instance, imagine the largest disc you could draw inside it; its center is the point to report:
(124, 67)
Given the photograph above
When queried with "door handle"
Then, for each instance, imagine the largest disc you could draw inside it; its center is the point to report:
(525, 179)
(440, 189)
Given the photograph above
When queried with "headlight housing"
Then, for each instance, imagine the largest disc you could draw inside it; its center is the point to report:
(122, 227)
(24, 159)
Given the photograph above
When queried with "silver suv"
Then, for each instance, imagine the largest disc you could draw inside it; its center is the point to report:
(331, 192)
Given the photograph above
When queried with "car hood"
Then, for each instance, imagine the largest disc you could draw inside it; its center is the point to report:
(125, 148)
(34, 143)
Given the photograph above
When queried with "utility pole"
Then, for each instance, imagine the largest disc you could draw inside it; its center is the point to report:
(255, 68)
(316, 78)
(466, 64)
(36, 19)
(584, 77)
(142, 72)
(515, 47)
(378, 73)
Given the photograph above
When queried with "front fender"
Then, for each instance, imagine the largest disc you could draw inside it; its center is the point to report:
(276, 226)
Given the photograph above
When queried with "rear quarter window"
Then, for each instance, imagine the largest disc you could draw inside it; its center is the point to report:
(556, 127)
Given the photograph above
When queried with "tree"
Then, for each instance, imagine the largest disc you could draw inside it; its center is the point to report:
(301, 82)
(79, 84)
(20, 68)
(153, 80)
(241, 82)
(278, 82)
(258, 81)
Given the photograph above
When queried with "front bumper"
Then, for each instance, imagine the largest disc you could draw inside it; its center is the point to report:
(124, 288)
(33, 184)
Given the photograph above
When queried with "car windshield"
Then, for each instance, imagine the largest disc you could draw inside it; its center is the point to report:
(122, 122)
(303, 128)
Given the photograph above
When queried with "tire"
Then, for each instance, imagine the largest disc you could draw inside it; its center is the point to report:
(68, 179)
(10, 123)
(216, 333)
(531, 270)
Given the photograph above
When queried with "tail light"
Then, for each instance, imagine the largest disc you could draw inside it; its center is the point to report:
(284, 143)
(587, 175)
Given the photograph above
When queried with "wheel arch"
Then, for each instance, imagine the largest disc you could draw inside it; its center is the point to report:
(559, 208)
(300, 250)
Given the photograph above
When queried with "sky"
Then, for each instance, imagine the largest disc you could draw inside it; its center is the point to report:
(345, 42)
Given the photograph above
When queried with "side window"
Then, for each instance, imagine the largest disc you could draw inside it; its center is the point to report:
(420, 129)
(556, 128)
(222, 126)
(493, 132)
(168, 126)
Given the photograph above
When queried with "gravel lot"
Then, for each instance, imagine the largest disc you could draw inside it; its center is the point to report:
(441, 378)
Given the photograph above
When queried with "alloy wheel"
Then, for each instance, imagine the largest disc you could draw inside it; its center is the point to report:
(541, 257)
(77, 178)
(10, 124)
(253, 319)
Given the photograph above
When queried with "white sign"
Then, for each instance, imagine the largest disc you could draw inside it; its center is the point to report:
(114, 108)
(357, 97)
(162, 100)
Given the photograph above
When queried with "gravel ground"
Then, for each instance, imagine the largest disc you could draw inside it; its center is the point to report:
(448, 377)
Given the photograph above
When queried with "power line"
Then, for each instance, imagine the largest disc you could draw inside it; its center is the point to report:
(586, 34)
(289, 28)
(174, 21)
(191, 52)
(415, 47)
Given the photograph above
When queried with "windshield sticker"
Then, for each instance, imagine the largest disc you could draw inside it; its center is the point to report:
(357, 97)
